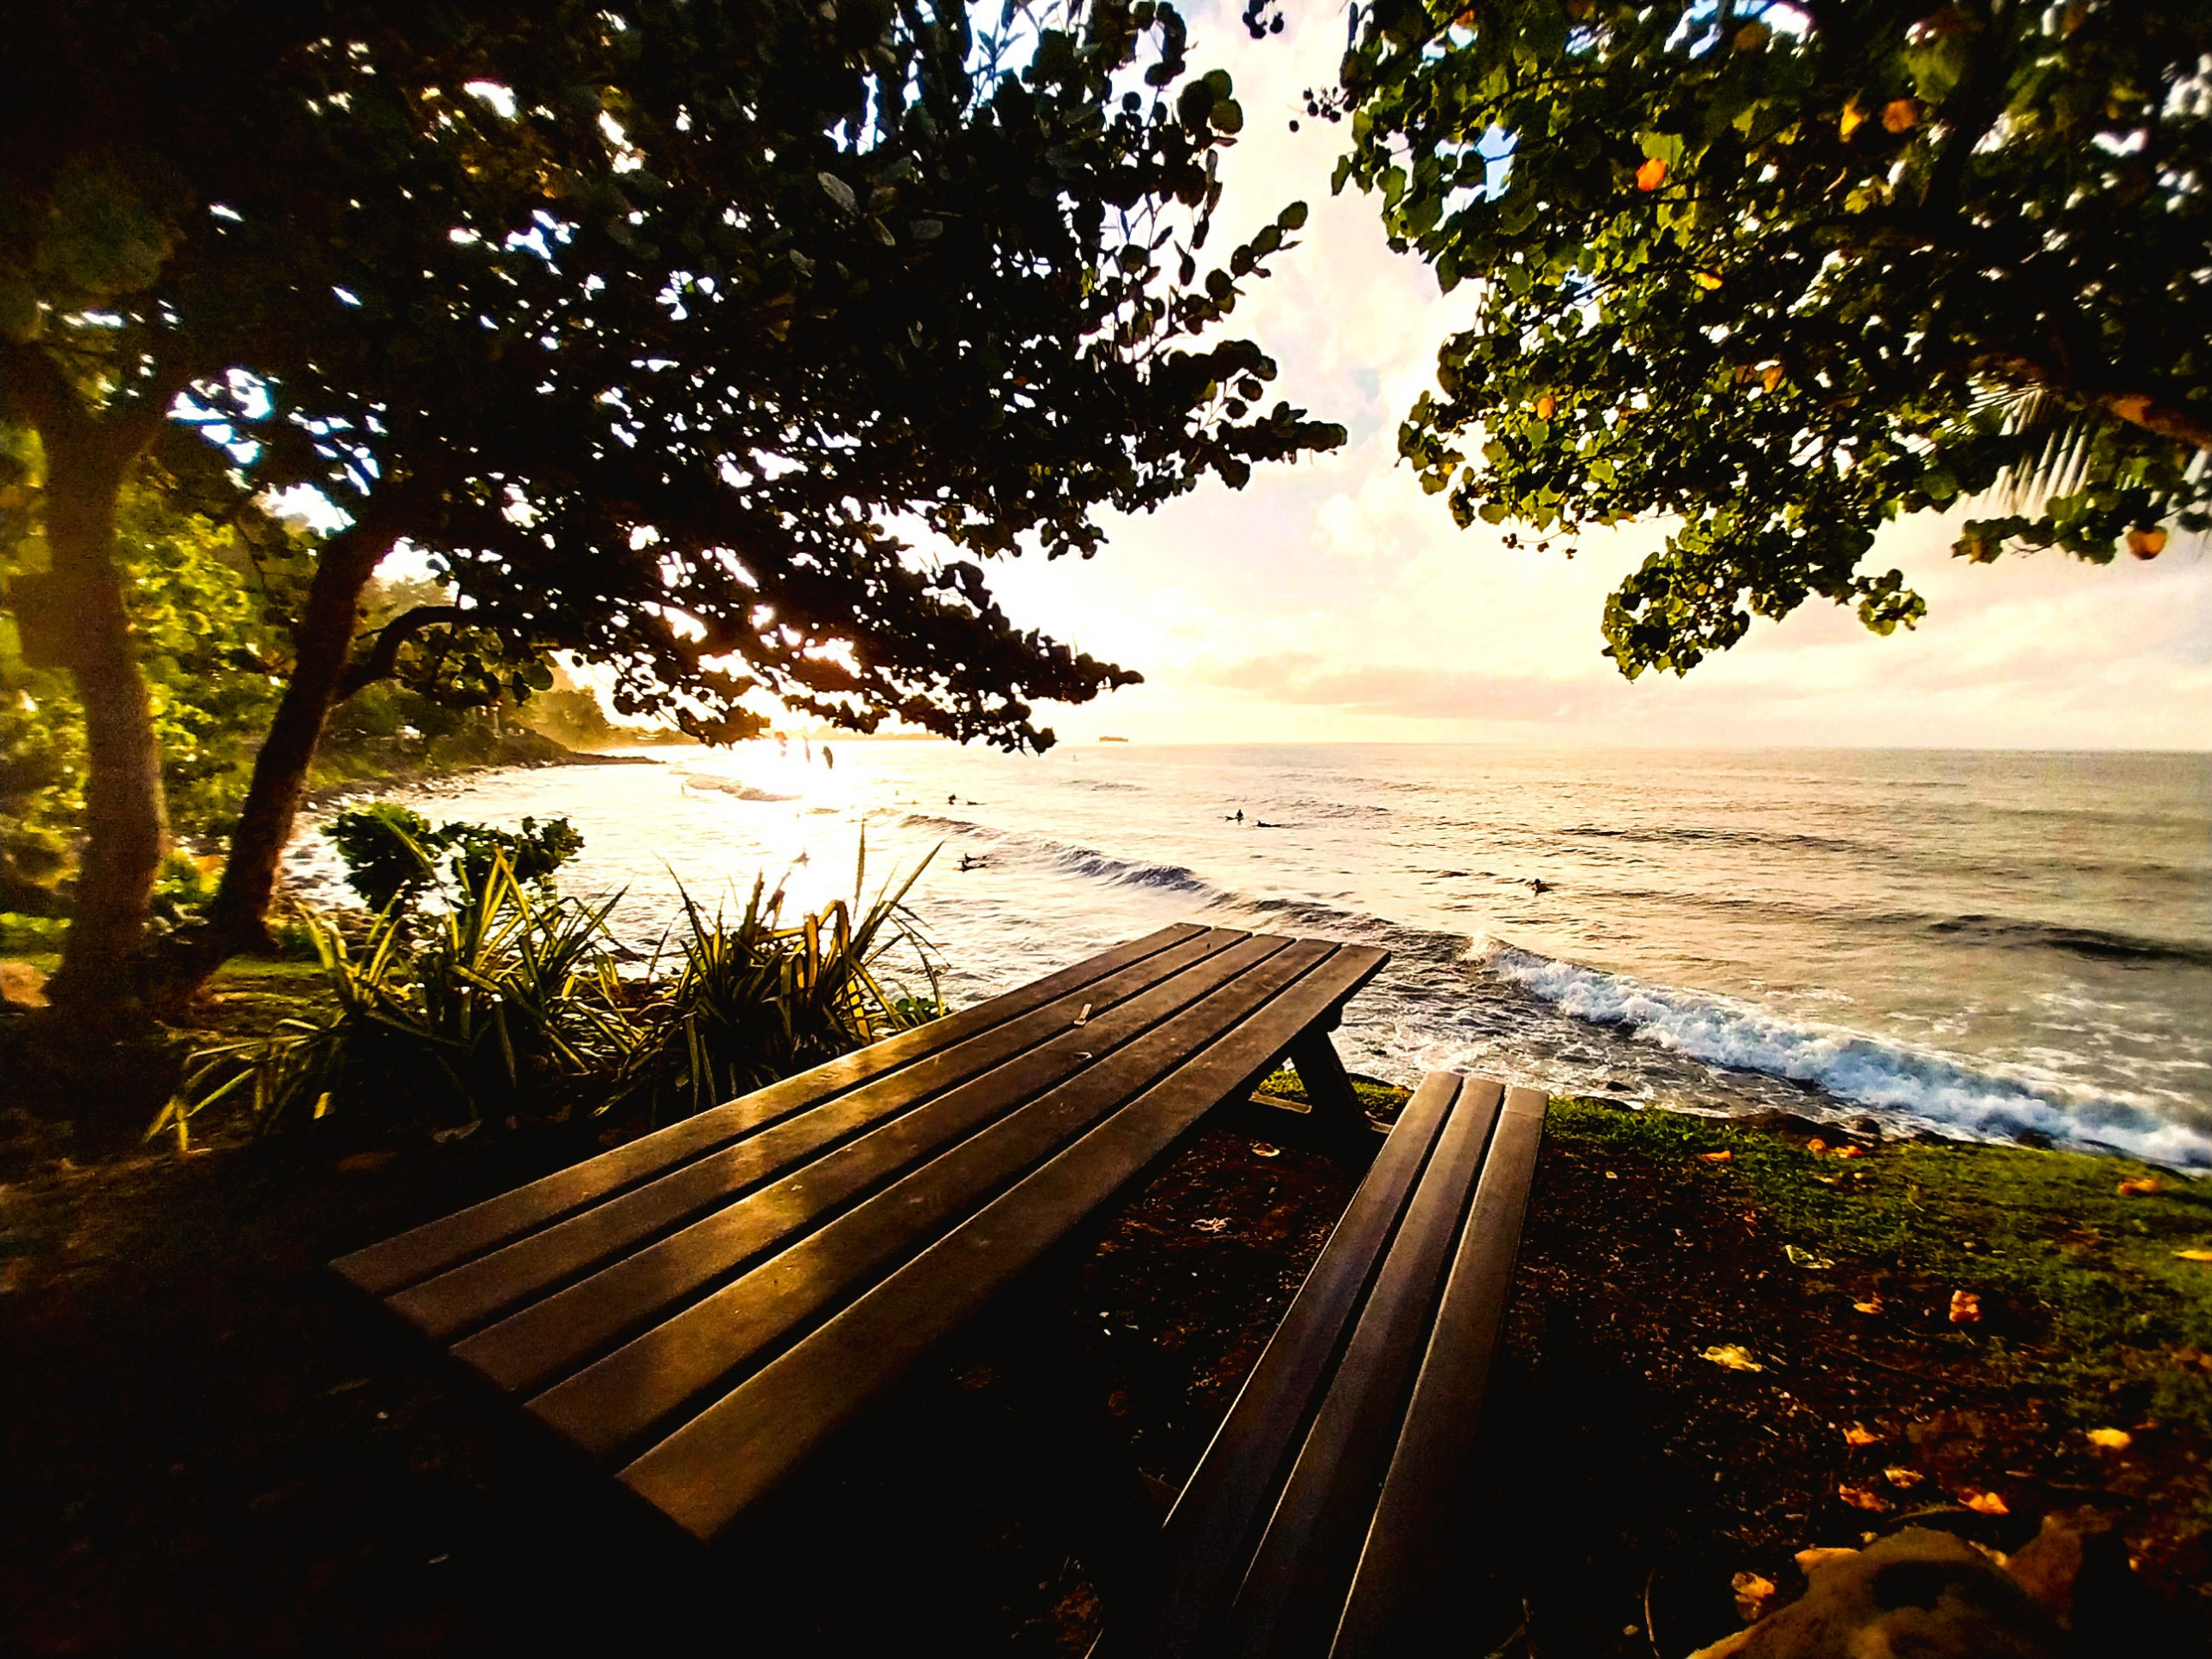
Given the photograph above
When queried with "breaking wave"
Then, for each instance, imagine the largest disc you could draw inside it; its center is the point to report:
(1921, 1087)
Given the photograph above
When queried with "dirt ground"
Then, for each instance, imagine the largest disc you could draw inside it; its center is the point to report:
(209, 1447)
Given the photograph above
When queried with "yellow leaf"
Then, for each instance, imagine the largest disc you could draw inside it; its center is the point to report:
(1986, 1503)
(1651, 174)
(1715, 1157)
(1860, 1435)
(2147, 541)
(1860, 1498)
(1850, 1152)
(1732, 1356)
(1816, 1144)
(1874, 1307)
(1707, 280)
(1853, 119)
(1900, 115)
(1545, 405)
(1772, 377)
(1902, 1477)
(2112, 1440)
(1752, 1594)
(1966, 1307)
(2194, 1255)
(2140, 1187)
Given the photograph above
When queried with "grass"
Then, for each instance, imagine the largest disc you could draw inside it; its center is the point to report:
(2081, 1288)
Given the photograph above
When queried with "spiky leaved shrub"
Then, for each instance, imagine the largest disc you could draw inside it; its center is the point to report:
(514, 1002)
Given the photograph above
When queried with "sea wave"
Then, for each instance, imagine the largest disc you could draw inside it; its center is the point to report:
(2097, 943)
(1068, 858)
(1920, 1087)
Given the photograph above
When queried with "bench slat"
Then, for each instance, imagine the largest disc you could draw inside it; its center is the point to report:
(708, 1470)
(439, 1245)
(1307, 1548)
(614, 1403)
(1207, 1533)
(538, 1343)
(1406, 1551)
(478, 1290)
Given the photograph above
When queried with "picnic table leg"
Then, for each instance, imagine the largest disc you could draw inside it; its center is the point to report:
(1328, 1087)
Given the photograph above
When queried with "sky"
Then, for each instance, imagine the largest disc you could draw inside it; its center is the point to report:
(1332, 601)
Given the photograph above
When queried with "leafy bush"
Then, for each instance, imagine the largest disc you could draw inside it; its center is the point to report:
(390, 853)
(514, 1003)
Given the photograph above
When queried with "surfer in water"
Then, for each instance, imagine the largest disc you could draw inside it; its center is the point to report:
(1538, 886)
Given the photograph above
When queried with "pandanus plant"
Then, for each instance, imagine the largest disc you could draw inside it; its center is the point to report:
(514, 1003)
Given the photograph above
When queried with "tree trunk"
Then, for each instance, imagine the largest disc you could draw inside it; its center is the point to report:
(126, 826)
(239, 918)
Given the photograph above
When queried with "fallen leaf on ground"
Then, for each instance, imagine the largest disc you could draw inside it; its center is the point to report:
(1860, 1435)
(1966, 1307)
(1816, 1144)
(1752, 1594)
(2112, 1440)
(1860, 1498)
(1733, 1356)
(2140, 1187)
(2194, 1255)
(1902, 1479)
(1850, 1152)
(1873, 1307)
(1209, 1224)
(1806, 1259)
(1986, 1503)
(1715, 1157)
(1261, 1150)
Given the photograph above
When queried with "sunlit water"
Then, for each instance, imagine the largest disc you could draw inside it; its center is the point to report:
(1991, 944)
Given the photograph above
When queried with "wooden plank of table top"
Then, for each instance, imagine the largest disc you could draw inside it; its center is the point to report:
(703, 1474)
(1206, 1538)
(617, 1400)
(540, 1341)
(416, 1255)
(1404, 1559)
(1307, 1552)
(478, 1290)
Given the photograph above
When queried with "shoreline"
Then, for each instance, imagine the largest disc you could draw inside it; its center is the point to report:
(525, 751)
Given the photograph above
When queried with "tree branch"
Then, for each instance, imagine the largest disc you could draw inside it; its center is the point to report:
(390, 640)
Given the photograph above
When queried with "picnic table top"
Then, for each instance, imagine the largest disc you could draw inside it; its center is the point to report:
(696, 1310)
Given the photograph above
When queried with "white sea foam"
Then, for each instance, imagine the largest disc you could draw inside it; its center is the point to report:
(1919, 1087)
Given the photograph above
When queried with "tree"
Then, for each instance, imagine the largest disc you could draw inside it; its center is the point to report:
(1783, 273)
(661, 333)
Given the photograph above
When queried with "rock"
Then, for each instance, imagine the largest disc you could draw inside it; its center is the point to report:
(2076, 1569)
(1788, 1125)
(1920, 1592)
(21, 987)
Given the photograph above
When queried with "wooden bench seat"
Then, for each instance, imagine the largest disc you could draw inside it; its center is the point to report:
(698, 1310)
(1323, 1517)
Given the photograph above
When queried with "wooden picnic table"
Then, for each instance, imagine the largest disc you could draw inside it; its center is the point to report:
(698, 1310)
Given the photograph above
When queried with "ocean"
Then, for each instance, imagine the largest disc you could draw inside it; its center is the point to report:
(1990, 945)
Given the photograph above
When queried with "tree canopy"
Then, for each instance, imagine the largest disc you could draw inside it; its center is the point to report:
(717, 343)
(1781, 274)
